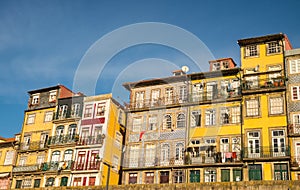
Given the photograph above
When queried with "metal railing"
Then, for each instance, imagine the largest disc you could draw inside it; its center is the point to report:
(216, 157)
(90, 140)
(26, 168)
(266, 152)
(56, 165)
(91, 165)
(32, 146)
(264, 83)
(61, 139)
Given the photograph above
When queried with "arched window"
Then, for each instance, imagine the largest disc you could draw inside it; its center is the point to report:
(167, 122)
(68, 155)
(60, 130)
(55, 156)
(72, 131)
(165, 153)
(50, 182)
(181, 120)
(179, 151)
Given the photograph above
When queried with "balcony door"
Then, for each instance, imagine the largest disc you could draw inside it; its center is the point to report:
(278, 142)
(253, 144)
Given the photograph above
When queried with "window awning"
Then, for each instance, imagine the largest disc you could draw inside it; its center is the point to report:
(4, 175)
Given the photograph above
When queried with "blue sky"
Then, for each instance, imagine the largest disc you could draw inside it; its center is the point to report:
(43, 42)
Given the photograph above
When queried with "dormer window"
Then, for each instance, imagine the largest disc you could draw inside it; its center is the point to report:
(52, 96)
(216, 66)
(225, 65)
(35, 99)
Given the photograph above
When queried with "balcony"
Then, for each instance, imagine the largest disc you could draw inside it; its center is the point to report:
(61, 140)
(26, 168)
(91, 165)
(32, 146)
(91, 140)
(262, 84)
(217, 157)
(151, 162)
(294, 130)
(56, 165)
(266, 153)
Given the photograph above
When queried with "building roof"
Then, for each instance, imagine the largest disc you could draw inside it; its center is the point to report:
(48, 89)
(292, 52)
(261, 39)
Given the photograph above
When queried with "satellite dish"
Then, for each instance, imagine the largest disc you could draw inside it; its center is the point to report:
(185, 69)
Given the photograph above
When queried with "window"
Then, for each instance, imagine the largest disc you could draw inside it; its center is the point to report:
(37, 183)
(75, 112)
(182, 94)
(210, 117)
(235, 114)
(225, 64)
(64, 181)
(196, 119)
(212, 91)
(115, 163)
(132, 178)
(49, 182)
(40, 159)
(55, 156)
(22, 161)
(118, 139)
(139, 99)
(273, 47)
(9, 157)
(30, 118)
(48, 116)
(253, 144)
(216, 66)
(195, 176)
(151, 153)
(210, 175)
(26, 142)
(255, 172)
(120, 117)
(152, 123)
(295, 66)
(251, 82)
(92, 181)
(164, 177)
(100, 109)
(296, 122)
(165, 154)
(252, 107)
(224, 148)
(251, 50)
(225, 116)
(137, 124)
(88, 110)
(149, 178)
(179, 150)
(278, 142)
(35, 99)
(237, 175)
(155, 97)
(62, 111)
(295, 93)
(178, 176)
(197, 91)
(26, 183)
(276, 74)
(276, 105)
(52, 96)
(181, 120)
(18, 184)
(280, 172)
(68, 155)
(167, 124)
(236, 144)
(134, 156)
(169, 95)
(60, 130)
(72, 131)
(225, 175)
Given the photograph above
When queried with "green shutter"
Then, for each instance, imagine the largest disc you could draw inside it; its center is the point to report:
(255, 172)
(237, 175)
(225, 175)
(37, 183)
(64, 181)
(194, 176)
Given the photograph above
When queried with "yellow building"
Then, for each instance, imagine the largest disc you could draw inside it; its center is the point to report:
(266, 150)
(7, 160)
(33, 148)
(99, 146)
(214, 138)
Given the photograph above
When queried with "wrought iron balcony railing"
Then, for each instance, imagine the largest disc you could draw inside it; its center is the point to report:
(266, 152)
(57, 165)
(91, 140)
(62, 139)
(33, 146)
(91, 165)
(26, 168)
(264, 83)
(216, 157)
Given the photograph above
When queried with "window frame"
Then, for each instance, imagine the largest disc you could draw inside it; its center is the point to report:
(276, 106)
(270, 49)
(255, 111)
(30, 119)
(251, 50)
(296, 63)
